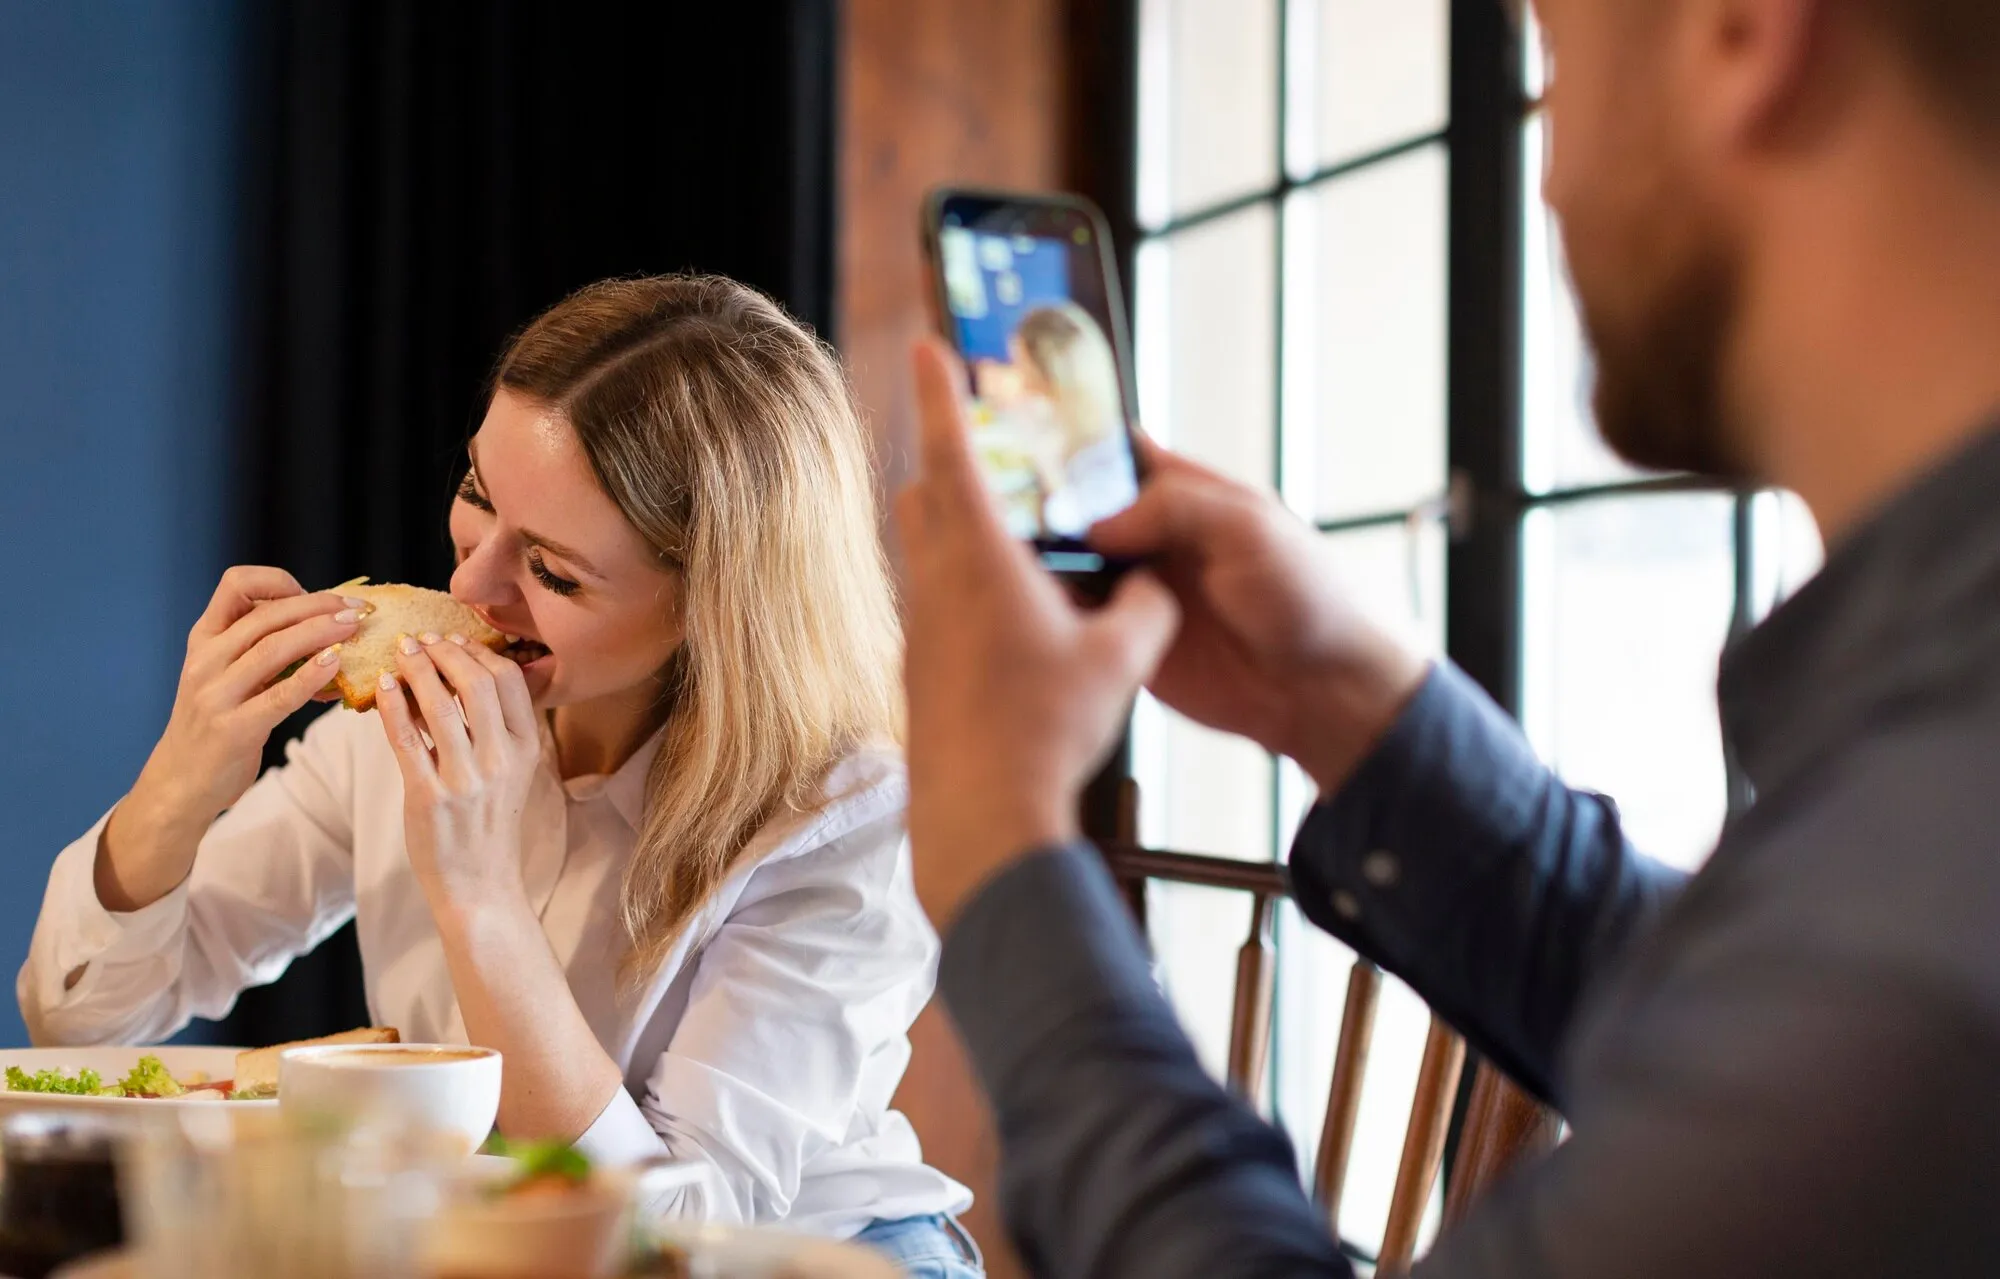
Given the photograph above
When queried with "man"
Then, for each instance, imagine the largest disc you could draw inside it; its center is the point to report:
(1783, 218)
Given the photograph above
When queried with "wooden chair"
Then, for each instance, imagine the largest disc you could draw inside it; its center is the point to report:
(1502, 1124)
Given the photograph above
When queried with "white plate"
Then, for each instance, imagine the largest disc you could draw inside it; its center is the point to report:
(762, 1252)
(727, 1252)
(113, 1064)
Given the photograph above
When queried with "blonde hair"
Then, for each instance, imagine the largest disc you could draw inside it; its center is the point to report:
(1074, 357)
(727, 435)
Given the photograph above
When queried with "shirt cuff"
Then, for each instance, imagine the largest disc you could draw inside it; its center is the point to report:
(1044, 943)
(620, 1134)
(1452, 779)
(90, 935)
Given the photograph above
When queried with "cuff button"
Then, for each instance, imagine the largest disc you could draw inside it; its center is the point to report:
(1381, 869)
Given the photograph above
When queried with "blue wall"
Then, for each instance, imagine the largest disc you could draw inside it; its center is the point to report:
(116, 155)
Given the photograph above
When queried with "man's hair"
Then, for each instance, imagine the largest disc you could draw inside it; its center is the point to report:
(1954, 47)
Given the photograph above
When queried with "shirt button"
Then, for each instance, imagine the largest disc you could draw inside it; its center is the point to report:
(1346, 905)
(1381, 869)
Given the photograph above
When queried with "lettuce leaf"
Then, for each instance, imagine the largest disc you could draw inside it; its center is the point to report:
(150, 1079)
(86, 1083)
(538, 1159)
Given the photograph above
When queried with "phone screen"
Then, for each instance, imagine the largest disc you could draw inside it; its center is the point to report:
(1028, 291)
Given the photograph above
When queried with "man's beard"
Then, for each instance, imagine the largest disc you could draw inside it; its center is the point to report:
(1659, 396)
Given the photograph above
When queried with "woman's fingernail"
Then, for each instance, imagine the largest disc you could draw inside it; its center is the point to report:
(430, 637)
(347, 617)
(387, 682)
(409, 646)
(329, 655)
(456, 638)
(351, 602)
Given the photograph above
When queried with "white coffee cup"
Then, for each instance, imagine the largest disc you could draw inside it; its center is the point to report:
(448, 1089)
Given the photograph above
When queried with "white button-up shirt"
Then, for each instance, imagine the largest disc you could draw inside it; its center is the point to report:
(766, 1047)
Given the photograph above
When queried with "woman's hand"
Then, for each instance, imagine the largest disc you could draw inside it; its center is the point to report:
(463, 795)
(464, 790)
(259, 622)
(233, 692)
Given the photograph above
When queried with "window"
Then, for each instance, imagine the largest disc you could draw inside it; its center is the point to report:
(1290, 323)
(1345, 293)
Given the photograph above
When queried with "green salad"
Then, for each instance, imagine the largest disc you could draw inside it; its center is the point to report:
(539, 1165)
(85, 1083)
(147, 1079)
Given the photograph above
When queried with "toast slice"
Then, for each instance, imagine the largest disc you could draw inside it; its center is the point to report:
(257, 1068)
(395, 610)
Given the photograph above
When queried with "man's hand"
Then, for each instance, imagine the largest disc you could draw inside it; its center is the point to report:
(1015, 693)
(1267, 648)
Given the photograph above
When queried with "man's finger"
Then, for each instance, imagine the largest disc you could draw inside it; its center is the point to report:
(1156, 458)
(1136, 625)
(960, 514)
(944, 449)
(1176, 510)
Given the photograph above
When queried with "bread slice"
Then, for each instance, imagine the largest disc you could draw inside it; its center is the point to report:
(395, 610)
(257, 1068)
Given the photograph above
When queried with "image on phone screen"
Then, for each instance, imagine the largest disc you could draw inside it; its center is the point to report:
(1031, 321)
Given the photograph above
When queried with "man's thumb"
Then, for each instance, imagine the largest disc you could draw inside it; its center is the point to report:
(1137, 623)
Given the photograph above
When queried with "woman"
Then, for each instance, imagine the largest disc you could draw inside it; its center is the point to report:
(1070, 375)
(661, 868)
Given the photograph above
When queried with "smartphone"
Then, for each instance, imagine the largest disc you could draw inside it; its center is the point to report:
(1027, 292)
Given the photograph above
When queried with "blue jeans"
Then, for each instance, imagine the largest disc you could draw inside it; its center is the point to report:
(926, 1247)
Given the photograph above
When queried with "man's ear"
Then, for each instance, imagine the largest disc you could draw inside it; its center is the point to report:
(1761, 65)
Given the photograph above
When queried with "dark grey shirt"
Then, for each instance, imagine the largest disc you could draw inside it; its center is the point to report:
(1785, 1066)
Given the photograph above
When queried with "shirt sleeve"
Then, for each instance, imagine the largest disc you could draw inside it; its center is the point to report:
(272, 878)
(1120, 1156)
(1777, 1110)
(1767, 1113)
(815, 977)
(1457, 860)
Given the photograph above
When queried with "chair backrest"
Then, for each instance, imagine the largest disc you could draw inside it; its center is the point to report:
(1501, 1125)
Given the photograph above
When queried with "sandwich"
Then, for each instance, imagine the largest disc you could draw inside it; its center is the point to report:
(257, 1068)
(394, 611)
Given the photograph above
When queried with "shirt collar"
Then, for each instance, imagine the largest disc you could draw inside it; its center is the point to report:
(625, 788)
(1906, 605)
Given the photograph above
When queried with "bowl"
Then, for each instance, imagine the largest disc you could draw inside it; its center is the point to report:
(450, 1090)
(583, 1232)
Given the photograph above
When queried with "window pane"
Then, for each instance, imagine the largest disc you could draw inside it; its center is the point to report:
(1627, 607)
(1312, 989)
(1561, 448)
(1534, 57)
(1208, 103)
(1365, 319)
(1395, 574)
(1204, 334)
(1200, 791)
(1363, 75)
(1785, 549)
(1198, 932)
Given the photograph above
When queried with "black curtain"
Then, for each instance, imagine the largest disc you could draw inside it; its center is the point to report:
(420, 179)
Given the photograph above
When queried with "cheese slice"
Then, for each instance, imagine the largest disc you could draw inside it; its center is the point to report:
(257, 1069)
